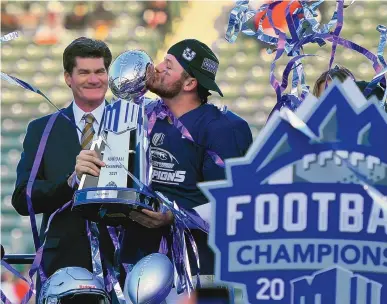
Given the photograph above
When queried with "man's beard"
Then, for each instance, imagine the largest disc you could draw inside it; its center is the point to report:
(163, 91)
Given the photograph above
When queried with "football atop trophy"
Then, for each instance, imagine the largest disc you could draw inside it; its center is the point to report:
(128, 73)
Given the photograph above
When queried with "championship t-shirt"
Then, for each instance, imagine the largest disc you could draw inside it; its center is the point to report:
(180, 164)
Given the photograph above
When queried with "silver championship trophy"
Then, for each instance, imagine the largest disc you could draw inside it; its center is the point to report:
(123, 146)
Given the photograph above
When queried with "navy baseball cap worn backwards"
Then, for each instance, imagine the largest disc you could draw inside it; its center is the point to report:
(198, 60)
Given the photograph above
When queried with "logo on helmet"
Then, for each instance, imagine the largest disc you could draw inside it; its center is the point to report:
(86, 286)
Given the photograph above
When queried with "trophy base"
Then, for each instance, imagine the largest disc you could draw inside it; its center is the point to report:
(111, 206)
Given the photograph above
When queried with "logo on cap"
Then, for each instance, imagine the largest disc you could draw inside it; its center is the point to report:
(210, 66)
(188, 54)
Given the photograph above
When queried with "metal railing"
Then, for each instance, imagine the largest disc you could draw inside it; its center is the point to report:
(19, 259)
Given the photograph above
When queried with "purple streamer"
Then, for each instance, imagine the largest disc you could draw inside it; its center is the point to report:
(111, 281)
(117, 246)
(336, 34)
(93, 235)
(183, 216)
(382, 43)
(163, 248)
(280, 50)
(33, 174)
(4, 298)
(196, 253)
(290, 22)
(114, 237)
(182, 276)
(180, 227)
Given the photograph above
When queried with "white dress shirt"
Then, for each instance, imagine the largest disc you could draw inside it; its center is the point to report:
(80, 122)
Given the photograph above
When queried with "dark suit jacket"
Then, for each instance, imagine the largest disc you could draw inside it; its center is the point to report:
(67, 243)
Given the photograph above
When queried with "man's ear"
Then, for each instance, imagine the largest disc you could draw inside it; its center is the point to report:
(67, 78)
(190, 84)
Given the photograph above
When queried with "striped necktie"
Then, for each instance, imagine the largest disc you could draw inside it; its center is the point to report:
(88, 132)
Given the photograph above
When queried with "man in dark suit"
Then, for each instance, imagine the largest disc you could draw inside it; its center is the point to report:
(86, 63)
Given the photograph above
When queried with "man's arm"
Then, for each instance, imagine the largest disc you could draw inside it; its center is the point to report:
(46, 196)
(224, 142)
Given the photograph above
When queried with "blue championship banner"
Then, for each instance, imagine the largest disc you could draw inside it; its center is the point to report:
(295, 222)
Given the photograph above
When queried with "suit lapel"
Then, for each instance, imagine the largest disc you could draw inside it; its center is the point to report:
(70, 129)
(62, 147)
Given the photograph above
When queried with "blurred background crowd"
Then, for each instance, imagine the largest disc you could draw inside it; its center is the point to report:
(46, 27)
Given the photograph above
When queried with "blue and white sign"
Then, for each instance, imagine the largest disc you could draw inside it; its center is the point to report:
(294, 222)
